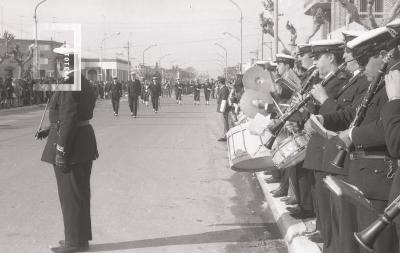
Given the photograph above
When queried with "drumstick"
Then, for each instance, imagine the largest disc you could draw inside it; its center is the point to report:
(277, 106)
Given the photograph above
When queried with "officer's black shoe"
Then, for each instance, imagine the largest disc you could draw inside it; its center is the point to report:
(280, 192)
(70, 249)
(291, 201)
(272, 180)
(222, 139)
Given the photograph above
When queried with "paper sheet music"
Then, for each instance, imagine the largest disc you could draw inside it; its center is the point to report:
(317, 126)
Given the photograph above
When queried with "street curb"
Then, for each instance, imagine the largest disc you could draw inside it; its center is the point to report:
(23, 108)
(291, 229)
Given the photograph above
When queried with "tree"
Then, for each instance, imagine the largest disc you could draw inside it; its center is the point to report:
(8, 39)
(319, 17)
(18, 57)
(267, 26)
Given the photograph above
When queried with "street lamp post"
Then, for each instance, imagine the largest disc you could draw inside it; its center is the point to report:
(36, 72)
(241, 34)
(226, 58)
(153, 45)
(101, 55)
(233, 36)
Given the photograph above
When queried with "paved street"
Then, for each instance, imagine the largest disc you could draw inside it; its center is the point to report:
(162, 184)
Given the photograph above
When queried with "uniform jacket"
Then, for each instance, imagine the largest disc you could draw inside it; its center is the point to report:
(197, 88)
(207, 87)
(116, 90)
(66, 110)
(369, 175)
(178, 87)
(155, 89)
(313, 159)
(391, 124)
(134, 88)
(350, 95)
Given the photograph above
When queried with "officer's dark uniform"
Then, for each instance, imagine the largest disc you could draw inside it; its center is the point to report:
(369, 165)
(134, 90)
(197, 88)
(178, 91)
(341, 224)
(69, 115)
(207, 91)
(155, 90)
(391, 117)
(116, 93)
(314, 152)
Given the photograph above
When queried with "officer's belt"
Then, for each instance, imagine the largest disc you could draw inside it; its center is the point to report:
(78, 124)
(358, 155)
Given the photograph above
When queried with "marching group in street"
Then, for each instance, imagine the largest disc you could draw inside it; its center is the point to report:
(350, 87)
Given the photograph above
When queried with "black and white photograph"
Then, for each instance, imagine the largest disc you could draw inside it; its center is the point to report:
(200, 126)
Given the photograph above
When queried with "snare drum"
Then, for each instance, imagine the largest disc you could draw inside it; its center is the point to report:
(246, 151)
(290, 151)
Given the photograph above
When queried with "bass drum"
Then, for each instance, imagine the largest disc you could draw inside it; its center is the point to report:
(290, 151)
(246, 152)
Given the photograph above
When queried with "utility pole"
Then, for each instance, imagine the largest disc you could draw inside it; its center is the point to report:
(262, 45)
(129, 63)
(276, 27)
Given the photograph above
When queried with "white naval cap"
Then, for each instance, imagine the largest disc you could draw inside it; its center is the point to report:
(319, 47)
(285, 58)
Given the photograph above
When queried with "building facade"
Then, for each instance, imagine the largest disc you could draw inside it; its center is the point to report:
(336, 18)
(91, 69)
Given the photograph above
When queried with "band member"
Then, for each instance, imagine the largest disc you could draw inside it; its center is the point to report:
(222, 106)
(207, 91)
(282, 94)
(370, 167)
(342, 218)
(197, 89)
(391, 123)
(71, 148)
(300, 177)
(178, 91)
(116, 94)
(155, 92)
(235, 96)
(134, 90)
(328, 55)
(146, 93)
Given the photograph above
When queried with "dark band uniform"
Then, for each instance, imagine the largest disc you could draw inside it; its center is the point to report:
(314, 152)
(134, 90)
(178, 90)
(207, 90)
(197, 89)
(391, 124)
(369, 166)
(155, 91)
(116, 94)
(70, 131)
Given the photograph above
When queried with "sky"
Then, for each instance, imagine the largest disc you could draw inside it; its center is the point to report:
(185, 31)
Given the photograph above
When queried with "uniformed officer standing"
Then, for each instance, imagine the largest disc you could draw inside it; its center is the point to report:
(71, 148)
(391, 124)
(329, 55)
(178, 91)
(222, 106)
(197, 89)
(134, 90)
(155, 91)
(116, 94)
(207, 91)
(341, 222)
(370, 168)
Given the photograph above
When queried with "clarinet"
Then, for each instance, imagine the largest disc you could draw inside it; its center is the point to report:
(361, 110)
(277, 127)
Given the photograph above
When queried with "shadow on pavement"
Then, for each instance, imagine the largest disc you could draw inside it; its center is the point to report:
(233, 235)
